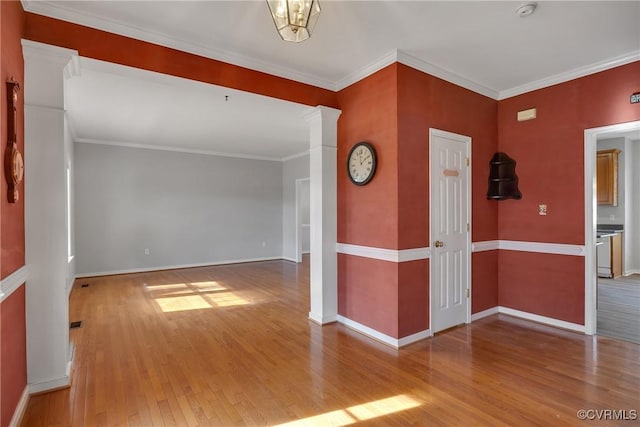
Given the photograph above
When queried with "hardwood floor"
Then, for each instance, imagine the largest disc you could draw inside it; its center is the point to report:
(231, 345)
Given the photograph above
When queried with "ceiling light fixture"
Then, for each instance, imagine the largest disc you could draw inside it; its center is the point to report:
(294, 19)
(526, 9)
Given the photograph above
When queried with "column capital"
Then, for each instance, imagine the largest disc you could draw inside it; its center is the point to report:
(321, 112)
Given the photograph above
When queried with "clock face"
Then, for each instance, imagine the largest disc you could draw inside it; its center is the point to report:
(361, 163)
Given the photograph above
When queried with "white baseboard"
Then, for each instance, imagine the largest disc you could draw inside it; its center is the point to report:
(418, 336)
(174, 267)
(383, 338)
(542, 319)
(322, 320)
(630, 272)
(51, 385)
(286, 258)
(18, 413)
(485, 313)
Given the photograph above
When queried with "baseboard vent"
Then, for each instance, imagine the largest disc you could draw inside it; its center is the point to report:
(84, 285)
(76, 324)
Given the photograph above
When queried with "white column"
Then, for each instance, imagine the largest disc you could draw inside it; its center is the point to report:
(323, 127)
(47, 304)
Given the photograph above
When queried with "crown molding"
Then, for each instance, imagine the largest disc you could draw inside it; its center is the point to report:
(359, 74)
(571, 75)
(420, 65)
(441, 73)
(63, 13)
(175, 149)
(295, 156)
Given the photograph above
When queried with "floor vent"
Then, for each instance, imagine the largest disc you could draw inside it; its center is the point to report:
(74, 325)
(84, 285)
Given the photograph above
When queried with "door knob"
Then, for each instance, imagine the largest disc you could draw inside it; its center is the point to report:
(439, 244)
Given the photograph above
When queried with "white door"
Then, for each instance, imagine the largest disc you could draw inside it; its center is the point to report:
(450, 229)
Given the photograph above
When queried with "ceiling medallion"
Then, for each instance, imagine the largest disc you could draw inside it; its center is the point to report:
(294, 19)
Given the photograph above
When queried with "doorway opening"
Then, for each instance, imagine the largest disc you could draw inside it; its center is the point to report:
(594, 226)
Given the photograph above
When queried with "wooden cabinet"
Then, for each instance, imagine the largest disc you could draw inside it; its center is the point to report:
(607, 177)
(609, 255)
(616, 255)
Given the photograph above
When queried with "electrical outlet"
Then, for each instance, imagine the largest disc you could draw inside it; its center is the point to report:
(264, 244)
(542, 209)
(146, 251)
(612, 217)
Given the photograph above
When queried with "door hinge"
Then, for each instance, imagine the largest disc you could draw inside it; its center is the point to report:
(467, 292)
(467, 161)
(467, 226)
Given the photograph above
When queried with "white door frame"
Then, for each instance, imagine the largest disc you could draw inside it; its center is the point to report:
(467, 141)
(591, 219)
(299, 223)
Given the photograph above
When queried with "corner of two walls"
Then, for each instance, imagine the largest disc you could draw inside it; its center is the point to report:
(393, 109)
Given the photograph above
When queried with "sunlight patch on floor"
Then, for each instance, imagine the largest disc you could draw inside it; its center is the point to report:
(208, 286)
(227, 299)
(182, 303)
(354, 414)
(193, 296)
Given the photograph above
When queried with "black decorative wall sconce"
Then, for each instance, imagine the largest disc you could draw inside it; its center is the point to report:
(503, 181)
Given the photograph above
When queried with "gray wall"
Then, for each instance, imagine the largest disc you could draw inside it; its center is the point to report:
(291, 170)
(187, 209)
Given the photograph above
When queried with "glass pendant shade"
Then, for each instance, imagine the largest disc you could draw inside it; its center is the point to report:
(294, 19)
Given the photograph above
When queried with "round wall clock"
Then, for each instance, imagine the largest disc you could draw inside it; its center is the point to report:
(361, 163)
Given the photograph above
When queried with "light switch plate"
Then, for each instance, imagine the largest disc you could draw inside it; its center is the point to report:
(542, 209)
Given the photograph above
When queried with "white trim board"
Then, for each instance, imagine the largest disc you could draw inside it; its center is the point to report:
(175, 267)
(398, 343)
(383, 338)
(18, 413)
(50, 385)
(9, 284)
(393, 255)
(545, 248)
(570, 75)
(485, 313)
(542, 319)
(550, 321)
(181, 150)
(404, 255)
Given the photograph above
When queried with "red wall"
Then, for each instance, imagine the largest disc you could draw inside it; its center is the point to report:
(13, 354)
(549, 151)
(394, 109)
(427, 102)
(13, 360)
(368, 215)
(12, 220)
(109, 47)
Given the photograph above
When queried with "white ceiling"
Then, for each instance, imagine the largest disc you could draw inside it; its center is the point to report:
(179, 114)
(481, 45)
